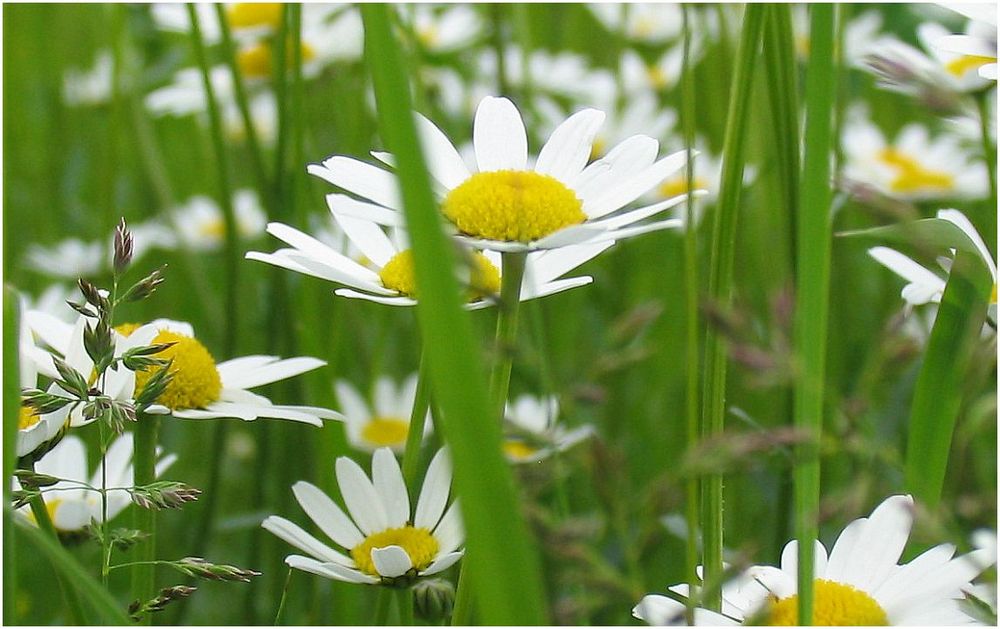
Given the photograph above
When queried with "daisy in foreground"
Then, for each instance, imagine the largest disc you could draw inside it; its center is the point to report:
(384, 542)
(386, 423)
(203, 389)
(502, 202)
(860, 584)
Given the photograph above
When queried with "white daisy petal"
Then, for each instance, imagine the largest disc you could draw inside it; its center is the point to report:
(369, 238)
(388, 482)
(389, 301)
(363, 502)
(391, 561)
(359, 178)
(238, 376)
(297, 537)
(328, 570)
(499, 137)
(449, 532)
(353, 404)
(443, 161)
(568, 148)
(434, 493)
(442, 563)
(327, 515)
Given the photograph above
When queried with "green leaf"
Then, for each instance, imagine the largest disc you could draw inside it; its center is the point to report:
(930, 236)
(937, 397)
(501, 559)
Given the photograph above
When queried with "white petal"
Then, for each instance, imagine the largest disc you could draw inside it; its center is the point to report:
(360, 496)
(328, 570)
(353, 404)
(369, 238)
(297, 537)
(774, 579)
(499, 137)
(568, 148)
(790, 559)
(388, 301)
(434, 493)
(391, 561)
(449, 532)
(442, 563)
(327, 515)
(247, 376)
(360, 178)
(876, 555)
(962, 222)
(642, 182)
(343, 205)
(443, 161)
(388, 482)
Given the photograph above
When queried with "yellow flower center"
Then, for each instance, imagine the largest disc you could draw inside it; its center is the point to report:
(51, 505)
(398, 275)
(678, 185)
(911, 176)
(256, 61)
(385, 431)
(657, 77)
(428, 36)
(960, 65)
(835, 605)
(196, 382)
(27, 417)
(512, 205)
(214, 229)
(643, 27)
(418, 543)
(518, 450)
(252, 14)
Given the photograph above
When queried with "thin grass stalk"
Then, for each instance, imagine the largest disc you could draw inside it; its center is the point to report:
(937, 396)
(242, 102)
(989, 151)
(11, 410)
(506, 336)
(813, 290)
(415, 433)
(720, 287)
(284, 598)
(144, 464)
(692, 324)
(503, 562)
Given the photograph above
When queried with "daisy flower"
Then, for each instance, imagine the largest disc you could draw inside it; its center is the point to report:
(978, 46)
(862, 35)
(961, 70)
(72, 258)
(74, 502)
(384, 424)
(860, 583)
(564, 74)
(174, 17)
(36, 432)
(503, 204)
(384, 271)
(652, 23)
(443, 28)
(384, 540)
(89, 87)
(185, 95)
(199, 223)
(926, 286)
(663, 73)
(204, 389)
(534, 434)
(914, 165)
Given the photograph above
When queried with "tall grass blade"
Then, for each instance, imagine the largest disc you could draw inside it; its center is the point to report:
(504, 566)
(11, 409)
(721, 283)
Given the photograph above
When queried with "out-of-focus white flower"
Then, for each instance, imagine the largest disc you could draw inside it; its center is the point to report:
(565, 74)
(979, 43)
(533, 432)
(200, 225)
(862, 34)
(90, 87)
(652, 23)
(386, 422)
(75, 500)
(72, 258)
(913, 165)
(960, 70)
(186, 94)
(443, 28)
(263, 116)
(662, 74)
(174, 17)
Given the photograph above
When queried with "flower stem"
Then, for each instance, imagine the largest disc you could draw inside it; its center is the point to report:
(415, 433)
(720, 287)
(404, 597)
(813, 244)
(144, 464)
(691, 313)
(989, 151)
(382, 604)
(506, 338)
(41, 514)
(284, 598)
(461, 613)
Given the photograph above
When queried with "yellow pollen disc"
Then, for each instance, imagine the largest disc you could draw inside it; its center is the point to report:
(27, 417)
(398, 275)
(911, 176)
(518, 450)
(385, 431)
(51, 506)
(512, 205)
(428, 36)
(657, 77)
(256, 61)
(678, 185)
(252, 14)
(195, 383)
(214, 229)
(835, 605)
(960, 65)
(418, 543)
(643, 27)
(126, 329)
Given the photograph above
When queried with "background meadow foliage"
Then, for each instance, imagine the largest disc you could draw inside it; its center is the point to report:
(607, 517)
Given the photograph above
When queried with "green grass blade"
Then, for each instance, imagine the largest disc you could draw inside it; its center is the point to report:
(813, 289)
(721, 283)
(11, 408)
(86, 587)
(503, 563)
(937, 398)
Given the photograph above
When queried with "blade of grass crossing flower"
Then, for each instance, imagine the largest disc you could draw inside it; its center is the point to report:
(779, 56)
(720, 285)
(11, 406)
(83, 585)
(937, 397)
(144, 460)
(691, 348)
(504, 564)
(812, 289)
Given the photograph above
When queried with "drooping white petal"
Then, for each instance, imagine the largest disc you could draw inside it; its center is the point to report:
(329, 570)
(369, 238)
(388, 301)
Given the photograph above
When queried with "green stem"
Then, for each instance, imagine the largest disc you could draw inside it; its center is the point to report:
(415, 433)
(461, 613)
(691, 315)
(144, 464)
(989, 151)
(720, 287)
(382, 604)
(11, 408)
(506, 337)
(812, 290)
(404, 598)
(284, 598)
(44, 521)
